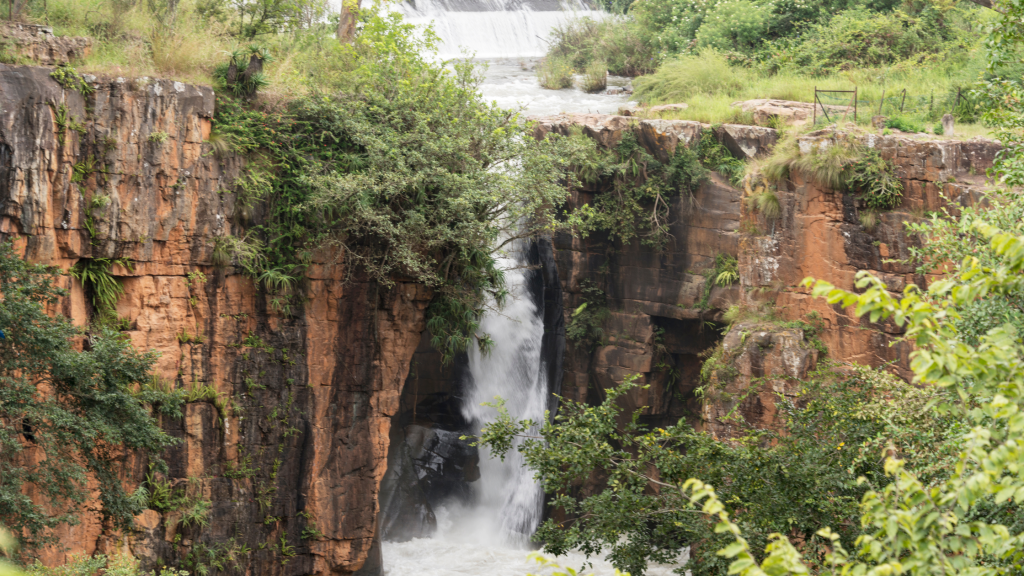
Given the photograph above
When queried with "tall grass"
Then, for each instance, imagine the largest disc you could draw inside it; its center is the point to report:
(595, 77)
(130, 39)
(709, 85)
(555, 73)
(622, 44)
(142, 39)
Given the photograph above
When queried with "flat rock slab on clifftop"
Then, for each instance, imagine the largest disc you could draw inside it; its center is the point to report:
(788, 111)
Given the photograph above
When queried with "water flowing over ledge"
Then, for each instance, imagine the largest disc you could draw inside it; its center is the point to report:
(493, 28)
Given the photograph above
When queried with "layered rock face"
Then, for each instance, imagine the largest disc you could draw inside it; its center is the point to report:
(659, 327)
(292, 451)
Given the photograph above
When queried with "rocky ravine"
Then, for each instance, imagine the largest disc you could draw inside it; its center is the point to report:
(656, 328)
(304, 439)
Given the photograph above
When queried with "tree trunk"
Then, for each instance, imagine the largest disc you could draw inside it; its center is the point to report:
(347, 23)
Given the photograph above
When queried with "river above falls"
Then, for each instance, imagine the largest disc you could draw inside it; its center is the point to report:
(512, 83)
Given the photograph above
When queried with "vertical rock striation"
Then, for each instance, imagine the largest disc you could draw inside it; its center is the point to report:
(292, 452)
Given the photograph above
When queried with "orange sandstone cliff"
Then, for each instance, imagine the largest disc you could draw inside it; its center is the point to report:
(292, 452)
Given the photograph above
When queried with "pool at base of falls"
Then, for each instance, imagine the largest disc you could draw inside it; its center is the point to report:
(466, 546)
(440, 557)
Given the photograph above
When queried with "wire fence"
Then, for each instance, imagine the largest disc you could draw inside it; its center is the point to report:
(835, 105)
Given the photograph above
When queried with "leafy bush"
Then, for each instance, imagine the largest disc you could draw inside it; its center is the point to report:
(585, 325)
(903, 124)
(715, 156)
(874, 180)
(635, 188)
(79, 410)
(735, 25)
(859, 38)
(793, 481)
(408, 171)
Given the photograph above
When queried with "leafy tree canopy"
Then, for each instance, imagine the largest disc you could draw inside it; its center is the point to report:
(397, 163)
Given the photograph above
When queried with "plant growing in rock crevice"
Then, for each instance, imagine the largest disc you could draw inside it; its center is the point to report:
(842, 164)
(874, 180)
(724, 272)
(584, 326)
(97, 280)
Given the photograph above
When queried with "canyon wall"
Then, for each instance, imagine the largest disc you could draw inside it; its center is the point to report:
(292, 451)
(660, 327)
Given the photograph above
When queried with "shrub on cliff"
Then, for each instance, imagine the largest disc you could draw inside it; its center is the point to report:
(401, 166)
(65, 415)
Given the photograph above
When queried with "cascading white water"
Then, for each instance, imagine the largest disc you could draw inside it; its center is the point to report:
(493, 28)
(508, 495)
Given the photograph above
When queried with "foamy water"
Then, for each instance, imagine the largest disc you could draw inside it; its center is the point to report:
(439, 557)
(512, 83)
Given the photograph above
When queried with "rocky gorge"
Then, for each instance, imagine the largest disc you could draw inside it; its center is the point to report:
(336, 424)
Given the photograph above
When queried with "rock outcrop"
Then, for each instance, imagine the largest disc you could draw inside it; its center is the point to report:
(37, 44)
(292, 453)
(757, 362)
(767, 111)
(659, 325)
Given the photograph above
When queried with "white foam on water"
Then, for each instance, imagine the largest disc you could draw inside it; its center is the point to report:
(440, 557)
(491, 28)
(512, 83)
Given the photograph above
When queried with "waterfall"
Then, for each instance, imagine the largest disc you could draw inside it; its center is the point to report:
(493, 28)
(509, 499)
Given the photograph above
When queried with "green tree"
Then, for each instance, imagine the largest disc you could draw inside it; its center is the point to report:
(408, 172)
(790, 481)
(259, 17)
(65, 414)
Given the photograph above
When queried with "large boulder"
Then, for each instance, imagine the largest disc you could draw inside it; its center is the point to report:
(661, 137)
(605, 128)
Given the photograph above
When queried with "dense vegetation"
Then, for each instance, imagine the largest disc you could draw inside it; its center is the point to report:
(402, 168)
(710, 54)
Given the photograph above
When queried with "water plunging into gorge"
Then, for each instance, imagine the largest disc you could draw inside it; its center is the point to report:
(448, 508)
